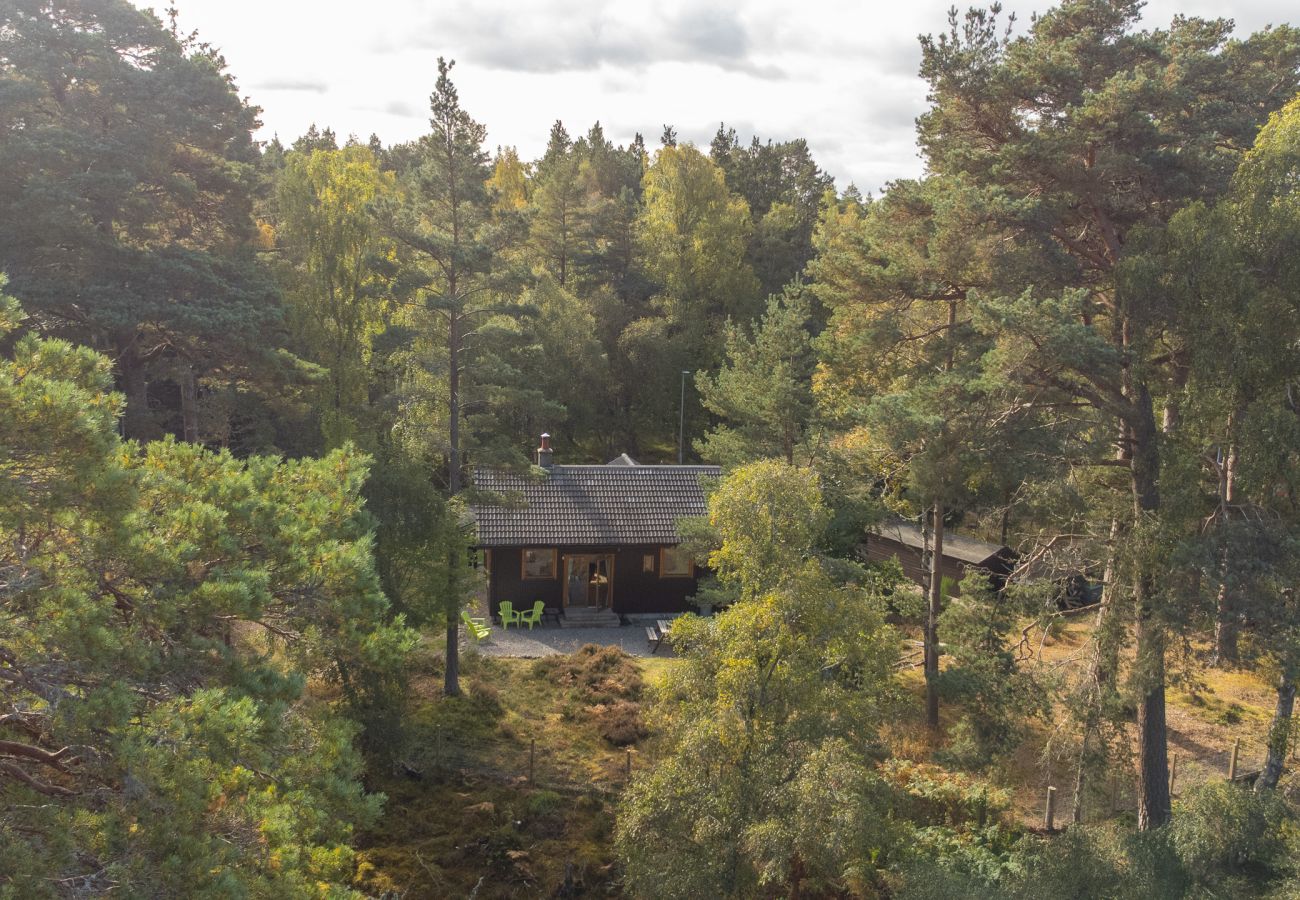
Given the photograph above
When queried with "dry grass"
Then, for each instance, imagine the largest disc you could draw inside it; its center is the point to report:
(473, 820)
(1208, 710)
(479, 824)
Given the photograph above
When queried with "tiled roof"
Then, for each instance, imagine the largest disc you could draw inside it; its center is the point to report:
(957, 546)
(590, 505)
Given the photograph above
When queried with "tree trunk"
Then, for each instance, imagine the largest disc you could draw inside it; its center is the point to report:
(451, 680)
(935, 605)
(453, 404)
(1149, 634)
(931, 642)
(1153, 752)
(1225, 618)
(1279, 732)
(189, 388)
(138, 422)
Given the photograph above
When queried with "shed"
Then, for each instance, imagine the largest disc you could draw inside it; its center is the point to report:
(906, 543)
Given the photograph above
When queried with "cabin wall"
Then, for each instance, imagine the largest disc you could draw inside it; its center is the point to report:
(880, 549)
(505, 582)
(635, 592)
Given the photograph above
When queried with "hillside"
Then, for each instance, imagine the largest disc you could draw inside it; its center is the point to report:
(463, 818)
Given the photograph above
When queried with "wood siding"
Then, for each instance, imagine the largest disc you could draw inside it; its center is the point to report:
(635, 591)
(883, 548)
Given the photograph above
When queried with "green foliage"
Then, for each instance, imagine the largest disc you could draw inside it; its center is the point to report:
(994, 697)
(763, 393)
(165, 608)
(931, 795)
(1222, 831)
(768, 517)
(127, 223)
(783, 187)
(693, 234)
(769, 719)
(768, 722)
(328, 235)
(1224, 842)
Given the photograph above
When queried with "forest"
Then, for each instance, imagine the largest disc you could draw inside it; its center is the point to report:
(244, 385)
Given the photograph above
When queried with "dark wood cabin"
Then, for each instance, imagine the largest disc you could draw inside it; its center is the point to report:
(904, 542)
(590, 539)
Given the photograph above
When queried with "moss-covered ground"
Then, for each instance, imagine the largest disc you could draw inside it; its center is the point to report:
(462, 816)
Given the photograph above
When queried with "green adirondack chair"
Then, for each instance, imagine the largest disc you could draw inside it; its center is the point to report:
(477, 627)
(531, 617)
(508, 614)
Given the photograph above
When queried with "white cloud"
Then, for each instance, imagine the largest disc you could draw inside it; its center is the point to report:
(838, 73)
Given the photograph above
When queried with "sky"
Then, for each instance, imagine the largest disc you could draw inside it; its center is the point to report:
(840, 74)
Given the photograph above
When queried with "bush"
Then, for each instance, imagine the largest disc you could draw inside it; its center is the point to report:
(603, 685)
(1223, 829)
(544, 803)
(931, 795)
(620, 723)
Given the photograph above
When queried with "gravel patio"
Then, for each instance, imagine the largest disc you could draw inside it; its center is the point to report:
(552, 641)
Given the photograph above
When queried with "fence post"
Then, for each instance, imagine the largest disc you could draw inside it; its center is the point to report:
(1173, 773)
(1232, 763)
(629, 763)
(437, 749)
(1049, 816)
(532, 757)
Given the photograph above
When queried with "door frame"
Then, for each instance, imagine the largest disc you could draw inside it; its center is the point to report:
(609, 594)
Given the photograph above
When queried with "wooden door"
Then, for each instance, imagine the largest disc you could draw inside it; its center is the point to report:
(589, 580)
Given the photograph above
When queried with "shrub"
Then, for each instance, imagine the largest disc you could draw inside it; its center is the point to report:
(603, 685)
(1222, 829)
(620, 723)
(544, 803)
(932, 795)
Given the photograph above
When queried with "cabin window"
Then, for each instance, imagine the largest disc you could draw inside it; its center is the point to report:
(674, 562)
(539, 564)
(648, 563)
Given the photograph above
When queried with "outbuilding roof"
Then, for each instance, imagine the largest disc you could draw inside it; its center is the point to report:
(615, 504)
(957, 546)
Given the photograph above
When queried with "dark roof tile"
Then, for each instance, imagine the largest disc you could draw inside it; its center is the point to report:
(591, 505)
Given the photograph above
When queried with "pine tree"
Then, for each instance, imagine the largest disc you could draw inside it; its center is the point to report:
(127, 220)
(763, 392)
(1080, 134)
(165, 608)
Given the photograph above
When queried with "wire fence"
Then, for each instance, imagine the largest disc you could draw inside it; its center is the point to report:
(524, 760)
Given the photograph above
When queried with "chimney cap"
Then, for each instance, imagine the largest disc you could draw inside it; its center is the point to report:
(546, 441)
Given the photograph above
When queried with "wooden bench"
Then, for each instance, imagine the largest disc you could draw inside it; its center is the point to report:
(654, 637)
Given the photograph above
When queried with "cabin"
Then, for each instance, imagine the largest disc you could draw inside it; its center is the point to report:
(595, 543)
(905, 542)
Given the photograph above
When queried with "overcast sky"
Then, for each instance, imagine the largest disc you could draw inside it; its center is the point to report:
(840, 74)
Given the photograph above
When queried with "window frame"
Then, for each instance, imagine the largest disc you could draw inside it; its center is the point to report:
(663, 569)
(523, 563)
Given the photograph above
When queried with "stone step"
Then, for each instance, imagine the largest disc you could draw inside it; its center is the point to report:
(589, 617)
